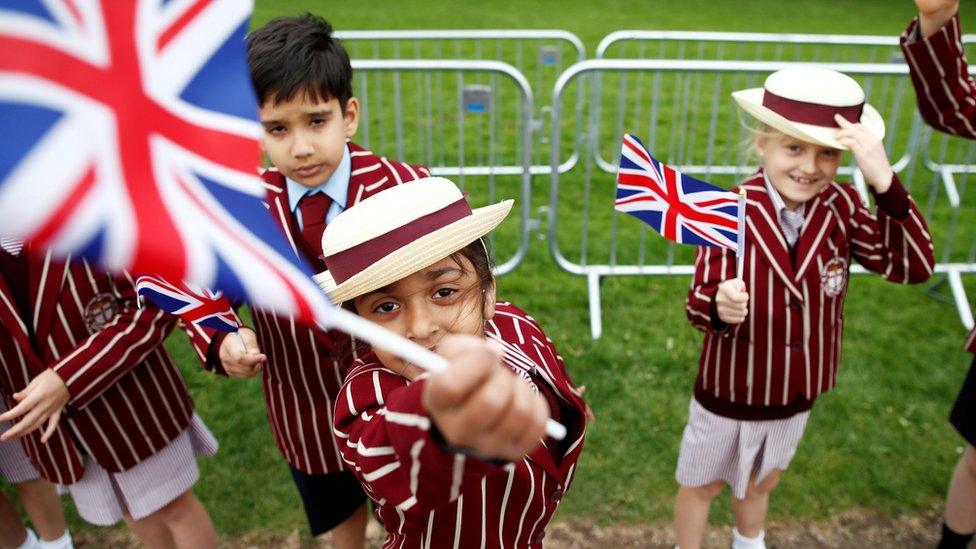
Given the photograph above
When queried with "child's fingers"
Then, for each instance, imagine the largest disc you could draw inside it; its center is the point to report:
(843, 122)
(474, 421)
(52, 425)
(520, 424)
(26, 425)
(739, 297)
(20, 409)
(471, 362)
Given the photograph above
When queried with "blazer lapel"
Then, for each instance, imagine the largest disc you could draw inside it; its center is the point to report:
(765, 234)
(277, 201)
(819, 223)
(46, 281)
(10, 317)
(367, 175)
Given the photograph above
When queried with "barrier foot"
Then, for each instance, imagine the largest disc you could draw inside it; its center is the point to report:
(959, 294)
(593, 287)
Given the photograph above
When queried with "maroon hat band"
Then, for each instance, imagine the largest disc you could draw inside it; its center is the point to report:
(810, 113)
(343, 265)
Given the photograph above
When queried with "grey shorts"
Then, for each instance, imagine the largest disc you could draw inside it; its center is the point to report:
(102, 497)
(714, 447)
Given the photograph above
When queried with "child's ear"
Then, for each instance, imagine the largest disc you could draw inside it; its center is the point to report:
(760, 144)
(489, 302)
(351, 116)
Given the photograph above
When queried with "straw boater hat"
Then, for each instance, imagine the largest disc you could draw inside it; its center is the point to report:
(802, 101)
(399, 231)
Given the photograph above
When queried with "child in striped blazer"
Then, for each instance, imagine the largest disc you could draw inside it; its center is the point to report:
(932, 44)
(458, 458)
(773, 338)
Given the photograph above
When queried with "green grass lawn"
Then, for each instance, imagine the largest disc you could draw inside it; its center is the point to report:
(880, 440)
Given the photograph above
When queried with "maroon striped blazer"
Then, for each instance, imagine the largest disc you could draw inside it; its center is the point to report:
(128, 400)
(946, 93)
(303, 373)
(429, 497)
(787, 350)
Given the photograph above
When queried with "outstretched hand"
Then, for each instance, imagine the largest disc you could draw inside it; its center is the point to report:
(41, 401)
(482, 406)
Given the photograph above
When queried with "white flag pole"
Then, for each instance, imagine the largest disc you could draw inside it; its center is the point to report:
(740, 241)
(378, 336)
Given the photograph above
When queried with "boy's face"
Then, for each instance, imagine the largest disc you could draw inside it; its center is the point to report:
(797, 170)
(441, 299)
(305, 139)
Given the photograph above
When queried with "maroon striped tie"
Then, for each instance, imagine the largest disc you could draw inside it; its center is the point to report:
(313, 208)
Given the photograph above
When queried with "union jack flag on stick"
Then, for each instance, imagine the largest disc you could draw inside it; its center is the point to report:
(192, 304)
(681, 208)
(137, 142)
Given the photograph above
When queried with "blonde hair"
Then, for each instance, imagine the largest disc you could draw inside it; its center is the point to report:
(755, 130)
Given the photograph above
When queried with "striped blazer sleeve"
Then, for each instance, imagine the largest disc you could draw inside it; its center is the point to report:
(712, 266)
(103, 357)
(940, 74)
(895, 243)
(386, 437)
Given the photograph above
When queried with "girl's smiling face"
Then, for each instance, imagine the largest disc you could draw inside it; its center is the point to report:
(446, 297)
(797, 169)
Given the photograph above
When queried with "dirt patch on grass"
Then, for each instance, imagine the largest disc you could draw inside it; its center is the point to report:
(849, 529)
(855, 529)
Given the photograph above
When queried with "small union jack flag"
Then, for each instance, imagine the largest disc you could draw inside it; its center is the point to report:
(191, 303)
(130, 138)
(681, 208)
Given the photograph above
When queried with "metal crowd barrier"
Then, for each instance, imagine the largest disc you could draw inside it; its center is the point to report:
(541, 55)
(692, 123)
(483, 143)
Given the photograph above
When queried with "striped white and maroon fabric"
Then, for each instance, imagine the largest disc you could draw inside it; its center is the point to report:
(303, 373)
(788, 348)
(721, 448)
(946, 93)
(428, 497)
(128, 399)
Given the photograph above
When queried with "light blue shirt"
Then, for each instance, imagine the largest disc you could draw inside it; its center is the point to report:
(336, 188)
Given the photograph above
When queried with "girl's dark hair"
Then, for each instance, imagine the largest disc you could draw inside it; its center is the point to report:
(476, 252)
(292, 55)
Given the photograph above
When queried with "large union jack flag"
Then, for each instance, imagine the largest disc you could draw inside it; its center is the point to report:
(191, 303)
(681, 208)
(130, 138)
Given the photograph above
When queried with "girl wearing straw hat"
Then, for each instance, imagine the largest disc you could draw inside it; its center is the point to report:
(773, 338)
(457, 458)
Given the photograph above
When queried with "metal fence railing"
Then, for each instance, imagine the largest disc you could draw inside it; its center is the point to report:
(688, 119)
(540, 55)
(484, 144)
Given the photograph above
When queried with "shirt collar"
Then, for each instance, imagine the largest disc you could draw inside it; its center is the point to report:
(778, 203)
(336, 187)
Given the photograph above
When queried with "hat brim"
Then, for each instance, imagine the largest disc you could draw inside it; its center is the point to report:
(750, 100)
(416, 255)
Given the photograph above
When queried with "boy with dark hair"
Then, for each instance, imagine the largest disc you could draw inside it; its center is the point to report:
(303, 79)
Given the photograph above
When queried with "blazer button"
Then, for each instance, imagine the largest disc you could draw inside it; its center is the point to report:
(796, 346)
(794, 304)
(555, 496)
(537, 537)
